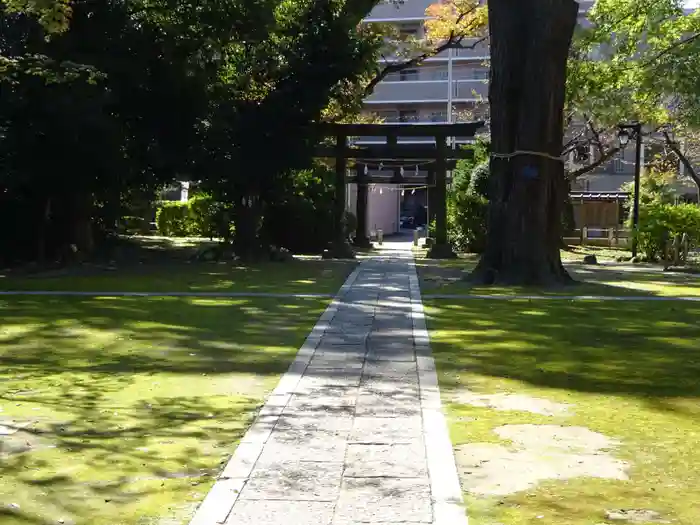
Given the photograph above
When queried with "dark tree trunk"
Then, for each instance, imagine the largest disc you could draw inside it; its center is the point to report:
(530, 41)
(246, 241)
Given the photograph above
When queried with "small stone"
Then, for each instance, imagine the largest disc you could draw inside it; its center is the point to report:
(590, 259)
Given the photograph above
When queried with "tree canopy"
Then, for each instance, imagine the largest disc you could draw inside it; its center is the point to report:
(120, 96)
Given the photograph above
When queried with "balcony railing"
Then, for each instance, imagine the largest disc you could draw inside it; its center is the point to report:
(479, 52)
(428, 91)
(413, 10)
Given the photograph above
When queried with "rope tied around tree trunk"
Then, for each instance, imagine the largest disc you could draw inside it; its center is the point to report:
(519, 152)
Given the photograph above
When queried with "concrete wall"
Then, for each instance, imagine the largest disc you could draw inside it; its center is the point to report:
(382, 207)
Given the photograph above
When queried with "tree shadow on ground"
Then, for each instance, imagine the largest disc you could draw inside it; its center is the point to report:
(449, 277)
(117, 410)
(295, 276)
(648, 350)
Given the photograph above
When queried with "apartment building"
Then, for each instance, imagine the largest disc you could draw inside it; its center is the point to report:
(421, 94)
(453, 86)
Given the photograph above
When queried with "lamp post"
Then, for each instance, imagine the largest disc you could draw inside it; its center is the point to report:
(625, 133)
(449, 85)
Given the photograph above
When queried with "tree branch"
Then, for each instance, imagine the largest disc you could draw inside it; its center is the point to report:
(684, 160)
(596, 136)
(603, 159)
(395, 68)
(415, 61)
(671, 48)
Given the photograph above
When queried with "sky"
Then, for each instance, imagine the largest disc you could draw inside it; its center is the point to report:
(692, 3)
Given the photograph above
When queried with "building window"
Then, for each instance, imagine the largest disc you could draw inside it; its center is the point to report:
(618, 164)
(438, 116)
(440, 74)
(408, 115)
(409, 74)
(408, 30)
(387, 116)
(480, 74)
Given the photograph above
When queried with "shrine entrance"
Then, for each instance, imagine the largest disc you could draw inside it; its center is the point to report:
(353, 161)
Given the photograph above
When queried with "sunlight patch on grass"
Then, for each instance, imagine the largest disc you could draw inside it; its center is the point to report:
(132, 405)
(628, 371)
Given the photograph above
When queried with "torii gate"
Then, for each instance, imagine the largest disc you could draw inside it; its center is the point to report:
(439, 155)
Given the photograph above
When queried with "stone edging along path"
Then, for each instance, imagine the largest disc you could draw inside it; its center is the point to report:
(169, 294)
(562, 297)
(273, 295)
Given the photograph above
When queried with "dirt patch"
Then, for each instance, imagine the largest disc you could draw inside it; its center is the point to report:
(539, 453)
(515, 402)
(15, 440)
(635, 516)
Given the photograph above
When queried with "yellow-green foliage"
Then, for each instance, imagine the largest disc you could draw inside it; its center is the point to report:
(657, 221)
(201, 216)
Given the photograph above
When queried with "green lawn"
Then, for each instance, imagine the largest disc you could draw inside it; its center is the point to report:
(127, 407)
(628, 370)
(298, 276)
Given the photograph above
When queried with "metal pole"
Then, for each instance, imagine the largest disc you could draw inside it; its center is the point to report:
(452, 141)
(449, 85)
(637, 173)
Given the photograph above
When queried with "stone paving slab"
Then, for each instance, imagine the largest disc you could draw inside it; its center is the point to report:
(294, 481)
(383, 430)
(282, 512)
(395, 460)
(354, 432)
(321, 447)
(381, 500)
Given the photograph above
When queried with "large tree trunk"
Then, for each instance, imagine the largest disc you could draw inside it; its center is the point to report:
(530, 41)
(247, 215)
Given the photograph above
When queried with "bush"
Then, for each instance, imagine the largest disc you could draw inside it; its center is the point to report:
(467, 211)
(464, 169)
(300, 216)
(466, 222)
(172, 219)
(201, 216)
(480, 180)
(208, 217)
(657, 219)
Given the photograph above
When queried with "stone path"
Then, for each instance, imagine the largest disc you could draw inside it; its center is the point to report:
(354, 432)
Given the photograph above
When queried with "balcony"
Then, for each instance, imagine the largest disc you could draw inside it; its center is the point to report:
(422, 91)
(480, 52)
(387, 11)
(365, 141)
